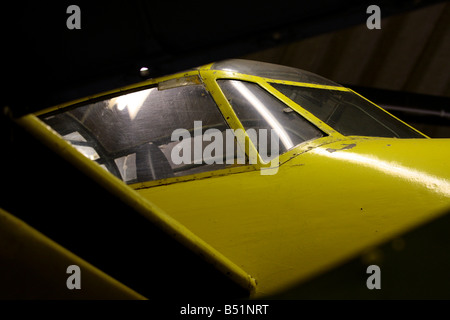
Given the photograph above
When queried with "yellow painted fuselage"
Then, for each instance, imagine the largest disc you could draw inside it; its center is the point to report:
(322, 207)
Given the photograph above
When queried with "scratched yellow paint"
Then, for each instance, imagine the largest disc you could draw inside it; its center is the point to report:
(320, 208)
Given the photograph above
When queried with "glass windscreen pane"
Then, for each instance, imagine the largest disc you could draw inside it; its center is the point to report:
(347, 112)
(271, 71)
(259, 110)
(150, 134)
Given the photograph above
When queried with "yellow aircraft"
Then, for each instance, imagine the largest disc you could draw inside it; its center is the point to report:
(270, 174)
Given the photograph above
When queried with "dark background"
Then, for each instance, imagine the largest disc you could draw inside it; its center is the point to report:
(402, 66)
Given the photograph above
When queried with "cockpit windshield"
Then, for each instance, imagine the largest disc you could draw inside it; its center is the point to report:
(271, 71)
(136, 136)
(347, 112)
(181, 126)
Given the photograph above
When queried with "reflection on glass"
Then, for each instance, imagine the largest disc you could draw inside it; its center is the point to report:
(264, 112)
(257, 109)
(347, 113)
(132, 101)
(271, 71)
(130, 135)
(88, 152)
(74, 137)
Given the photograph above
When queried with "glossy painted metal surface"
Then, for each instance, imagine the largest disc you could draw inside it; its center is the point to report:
(321, 207)
(330, 198)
